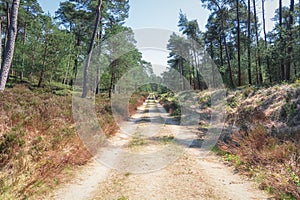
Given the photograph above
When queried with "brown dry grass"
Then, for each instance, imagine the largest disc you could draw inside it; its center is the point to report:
(39, 147)
(273, 163)
(263, 150)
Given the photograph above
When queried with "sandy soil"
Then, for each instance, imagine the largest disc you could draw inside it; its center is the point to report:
(151, 158)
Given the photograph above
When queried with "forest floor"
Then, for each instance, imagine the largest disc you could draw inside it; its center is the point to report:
(156, 162)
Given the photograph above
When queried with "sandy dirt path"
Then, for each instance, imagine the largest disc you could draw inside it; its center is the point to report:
(150, 158)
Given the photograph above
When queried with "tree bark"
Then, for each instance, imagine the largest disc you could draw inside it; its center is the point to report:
(238, 43)
(90, 52)
(221, 52)
(41, 79)
(196, 65)
(0, 41)
(229, 64)
(76, 62)
(290, 47)
(266, 42)
(260, 76)
(23, 52)
(112, 78)
(8, 14)
(249, 43)
(280, 36)
(98, 76)
(10, 47)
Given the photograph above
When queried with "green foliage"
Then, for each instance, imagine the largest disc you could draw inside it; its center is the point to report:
(233, 158)
(288, 197)
(232, 102)
(122, 198)
(167, 139)
(247, 91)
(137, 140)
(51, 50)
(294, 177)
(171, 103)
(11, 142)
(205, 101)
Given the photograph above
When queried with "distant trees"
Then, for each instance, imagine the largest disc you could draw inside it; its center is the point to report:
(243, 54)
(262, 57)
(51, 49)
(185, 52)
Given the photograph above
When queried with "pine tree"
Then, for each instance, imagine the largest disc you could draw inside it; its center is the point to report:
(10, 47)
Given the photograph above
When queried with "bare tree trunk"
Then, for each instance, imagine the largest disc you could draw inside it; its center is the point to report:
(98, 80)
(98, 76)
(76, 62)
(65, 79)
(196, 65)
(90, 52)
(182, 73)
(227, 54)
(23, 52)
(229, 63)
(265, 38)
(193, 70)
(249, 44)
(0, 41)
(238, 43)
(260, 76)
(280, 35)
(41, 79)
(212, 65)
(112, 78)
(290, 47)
(256, 70)
(10, 47)
(7, 24)
(221, 52)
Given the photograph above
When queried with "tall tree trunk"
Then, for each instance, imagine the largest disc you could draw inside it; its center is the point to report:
(76, 62)
(23, 52)
(229, 64)
(227, 53)
(193, 70)
(221, 52)
(256, 71)
(99, 38)
(249, 43)
(42, 74)
(8, 14)
(1, 19)
(196, 65)
(238, 43)
(90, 52)
(266, 42)
(212, 56)
(65, 79)
(189, 70)
(260, 76)
(290, 46)
(33, 60)
(280, 35)
(112, 78)
(10, 47)
(182, 74)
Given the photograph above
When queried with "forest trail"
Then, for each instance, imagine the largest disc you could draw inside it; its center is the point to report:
(150, 163)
